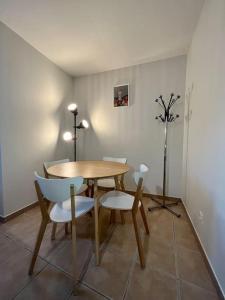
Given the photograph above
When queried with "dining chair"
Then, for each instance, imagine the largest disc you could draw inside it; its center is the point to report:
(49, 164)
(83, 188)
(109, 183)
(68, 206)
(119, 200)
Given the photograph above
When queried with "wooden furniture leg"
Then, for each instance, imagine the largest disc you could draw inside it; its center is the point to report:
(96, 223)
(138, 239)
(67, 228)
(144, 218)
(122, 183)
(41, 232)
(54, 227)
(112, 216)
(117, 185)
(122, 217)
(87, 193)
(72, 193)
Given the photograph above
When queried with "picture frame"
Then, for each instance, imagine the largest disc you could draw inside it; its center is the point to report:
(121, 95)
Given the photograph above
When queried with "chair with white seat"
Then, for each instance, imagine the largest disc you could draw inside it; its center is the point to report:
(83, 188)
(49, 164)
(119, 200)
(109, 183)
(67, 207)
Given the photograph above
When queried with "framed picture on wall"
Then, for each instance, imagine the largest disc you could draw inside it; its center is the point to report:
(121, 95)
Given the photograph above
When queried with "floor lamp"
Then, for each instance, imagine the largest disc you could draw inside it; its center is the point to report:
(166, 118)
(68, 136)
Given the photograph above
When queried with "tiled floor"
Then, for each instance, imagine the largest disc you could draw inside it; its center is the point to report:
(175, 267)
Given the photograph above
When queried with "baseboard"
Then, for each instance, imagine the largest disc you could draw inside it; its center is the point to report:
(4, 219)
(207, 260)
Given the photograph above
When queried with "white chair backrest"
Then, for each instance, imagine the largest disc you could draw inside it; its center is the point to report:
(48, 164)
(58, 190)
(119, 160)
(143, 169)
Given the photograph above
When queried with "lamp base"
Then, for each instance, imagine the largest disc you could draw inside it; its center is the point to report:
(163, 205)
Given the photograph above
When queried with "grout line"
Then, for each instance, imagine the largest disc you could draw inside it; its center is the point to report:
(197, 286)
(179, 294)
(190, 250)
(96, 291)
(29, 282)
(103, 247)
(48, 263)
(133, 263)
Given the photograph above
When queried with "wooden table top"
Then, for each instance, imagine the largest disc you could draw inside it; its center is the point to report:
(88, 169)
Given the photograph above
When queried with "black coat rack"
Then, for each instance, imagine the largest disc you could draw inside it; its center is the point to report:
(167, 117)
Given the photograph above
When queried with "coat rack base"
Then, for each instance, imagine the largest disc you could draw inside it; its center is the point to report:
(162, 205)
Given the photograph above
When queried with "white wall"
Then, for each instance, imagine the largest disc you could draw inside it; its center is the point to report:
(133, 132)
(205, 181)
(32, 95)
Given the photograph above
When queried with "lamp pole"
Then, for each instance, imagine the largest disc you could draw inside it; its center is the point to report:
(68, 136)
(75, 113)
(166, 118)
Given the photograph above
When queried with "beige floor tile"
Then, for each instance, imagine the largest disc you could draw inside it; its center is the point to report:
(85, 293)
(161, 225)
(184, 235)
(156, 281)
(192, 268)
(83, 226)
(180, 210)
(192, 292)
(50, 284)
(14, 264)
(159, 255)
(25, 228)
(111, 276)
(149, 284)
(123, 240)
(62, 258)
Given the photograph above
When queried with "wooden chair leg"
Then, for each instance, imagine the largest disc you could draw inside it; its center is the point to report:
(97, 240)
(37, 245)
(54, 227)
(113, 216)
(122, 217)
(138, 239)
(74, 254)
(67, 228)
(144, 218)
(87, 192)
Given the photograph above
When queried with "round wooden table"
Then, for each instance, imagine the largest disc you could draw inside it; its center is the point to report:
(91, 170)
(88, 169)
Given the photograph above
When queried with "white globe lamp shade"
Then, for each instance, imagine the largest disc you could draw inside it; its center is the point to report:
(72, 107)
(85, 123)
(67, 136)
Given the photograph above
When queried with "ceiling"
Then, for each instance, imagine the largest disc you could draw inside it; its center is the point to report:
(90, 36)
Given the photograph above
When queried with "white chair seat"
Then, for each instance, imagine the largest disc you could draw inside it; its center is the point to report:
(107, 183)
(82, 189)
(117, 200)
(62, 213)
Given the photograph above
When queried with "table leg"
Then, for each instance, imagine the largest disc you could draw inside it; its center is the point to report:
(117, 184)
(96, 223)
(87, 190)
(113, 213)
